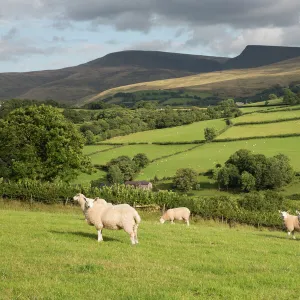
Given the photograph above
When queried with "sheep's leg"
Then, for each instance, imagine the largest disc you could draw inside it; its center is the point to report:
(187, 222)
(172, 222)
(132, 238)
(100, 238)
(135, 228)
(293, 233)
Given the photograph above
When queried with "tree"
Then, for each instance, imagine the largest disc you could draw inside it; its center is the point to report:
(185, 179)
(125, 164)
(141, 160)
(114, 175)
(210, 133)
(248, 181)
(272, 97)
(38, 143)
(90, 138)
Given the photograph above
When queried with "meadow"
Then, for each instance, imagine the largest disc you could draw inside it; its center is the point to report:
(272, 116)
(50, 253)
(206, 156)
(271, 129)
(191, 132)
(90, 149)
(152, 152)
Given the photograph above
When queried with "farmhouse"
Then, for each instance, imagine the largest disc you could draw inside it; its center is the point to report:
(145, 185)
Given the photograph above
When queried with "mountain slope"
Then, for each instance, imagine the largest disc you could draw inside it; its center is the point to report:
(257, 56)
(229, 83)
(78, 84)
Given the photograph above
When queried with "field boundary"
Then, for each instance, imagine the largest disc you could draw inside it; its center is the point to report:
(96, 152)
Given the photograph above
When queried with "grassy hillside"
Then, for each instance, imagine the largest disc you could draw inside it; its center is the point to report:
(235, 83)
(209, 260)
(206, 156)
(246, 131)
(191, 132)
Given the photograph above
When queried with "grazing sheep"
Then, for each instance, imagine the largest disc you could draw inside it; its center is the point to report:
(290, 222)
(113, 217)
(179, 213)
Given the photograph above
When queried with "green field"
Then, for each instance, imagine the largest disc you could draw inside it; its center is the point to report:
(87, 150)
(189, 132)
(152, 152)
(246, 131)
(263, 103)
(206, 156)
(250, 109)
(55, 255)
(274, 116)
(84, 178)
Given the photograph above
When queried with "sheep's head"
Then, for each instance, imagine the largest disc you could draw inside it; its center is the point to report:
(77, 197)
(298, 212)
(89, 203)
(284, 214)
(162, 220)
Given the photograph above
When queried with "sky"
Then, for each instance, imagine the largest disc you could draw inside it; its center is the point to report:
(53, 34)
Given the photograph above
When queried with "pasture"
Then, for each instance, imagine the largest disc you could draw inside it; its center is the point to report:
(245, 131)
(191, 132)
(152, 152)
(272, 116)
(55, 255)
(207, 156)
(88, 150)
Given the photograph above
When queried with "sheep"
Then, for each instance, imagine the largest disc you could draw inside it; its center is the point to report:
(290, 222)
(113, 217)
(179, 213)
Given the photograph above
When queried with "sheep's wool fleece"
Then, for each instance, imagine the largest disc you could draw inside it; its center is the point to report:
(292, 223)
(178, 213)
(111, 216)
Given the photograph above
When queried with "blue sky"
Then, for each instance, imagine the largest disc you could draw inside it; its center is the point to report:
(52, 34)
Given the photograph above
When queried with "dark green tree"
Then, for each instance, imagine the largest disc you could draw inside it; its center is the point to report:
(185, 179)
(247, 181)
(38, 143)
(141, 160)
(210, 133)
(114, 175)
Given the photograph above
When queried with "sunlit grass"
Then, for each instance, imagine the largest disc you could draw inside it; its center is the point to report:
(55, 255)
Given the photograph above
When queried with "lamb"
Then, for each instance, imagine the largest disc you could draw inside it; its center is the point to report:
(291, 222)
(113, 217)
(179, 213)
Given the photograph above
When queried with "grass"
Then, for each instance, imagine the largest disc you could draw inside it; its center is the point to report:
(206, 156)
(274, 116)
(86, 178)
(88, 150)
(261, 130)
(191, 132)
(250, 109)
(55, 255)
(152, 152)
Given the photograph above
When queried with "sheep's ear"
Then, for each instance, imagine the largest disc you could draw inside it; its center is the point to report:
(84, 198)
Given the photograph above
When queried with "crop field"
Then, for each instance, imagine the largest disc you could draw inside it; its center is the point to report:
(88, 150)
(272, 116)
(152, 152)
(245, 131)
(191, 132)
(206, 156)
(55, 255)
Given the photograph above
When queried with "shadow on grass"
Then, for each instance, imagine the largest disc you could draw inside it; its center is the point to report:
(279, 237)
(86, 235)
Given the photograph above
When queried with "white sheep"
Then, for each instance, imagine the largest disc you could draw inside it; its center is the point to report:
(109, 216)
(290, 222)
(179, 213)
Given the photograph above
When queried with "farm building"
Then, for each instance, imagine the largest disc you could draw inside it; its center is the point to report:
(145, 185)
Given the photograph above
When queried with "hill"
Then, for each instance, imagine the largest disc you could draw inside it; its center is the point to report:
(229, 83)
(81, 83)
(116, 69)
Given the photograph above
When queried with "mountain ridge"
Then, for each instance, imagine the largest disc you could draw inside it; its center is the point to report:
(76, 84)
